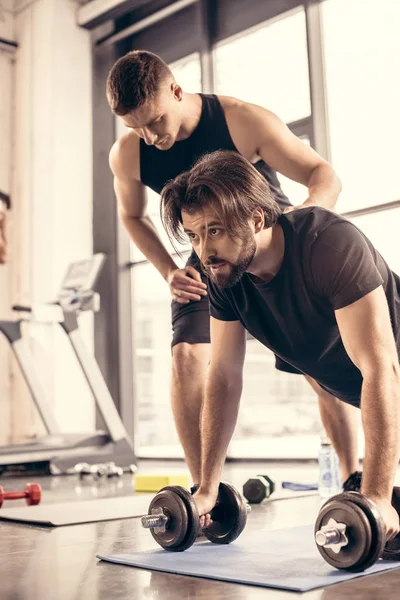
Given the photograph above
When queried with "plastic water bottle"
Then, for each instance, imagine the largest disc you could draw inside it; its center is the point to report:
(329, 473)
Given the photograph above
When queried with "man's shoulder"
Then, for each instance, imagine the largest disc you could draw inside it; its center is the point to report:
(317, 230)
(125, 156)
(313, 218)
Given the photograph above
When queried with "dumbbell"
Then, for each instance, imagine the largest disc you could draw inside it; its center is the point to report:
(32, 494)
(256, 489)
(174, 520)
(97, 471)
(350, 533)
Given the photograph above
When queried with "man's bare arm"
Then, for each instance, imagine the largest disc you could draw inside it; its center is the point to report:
(262, 133)
(185, 283)
(367, 335)
(221, 399)
(132, 205)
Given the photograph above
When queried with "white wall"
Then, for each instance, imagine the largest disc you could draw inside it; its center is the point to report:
(7, 57)
(51, 192)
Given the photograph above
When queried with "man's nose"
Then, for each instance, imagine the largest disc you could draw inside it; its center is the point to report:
(206, 251)
(149, 137)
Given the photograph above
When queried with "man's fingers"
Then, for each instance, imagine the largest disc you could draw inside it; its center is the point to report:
(187, 295)
(205, 520)
(180, 300)
(194, 274)
(187, 283)
(188, 287)
(288, 209)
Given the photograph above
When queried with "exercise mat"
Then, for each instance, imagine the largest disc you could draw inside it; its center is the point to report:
(286, 559)
(87, 511)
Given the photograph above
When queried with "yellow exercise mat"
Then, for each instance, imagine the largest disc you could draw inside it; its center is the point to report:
(153, 483)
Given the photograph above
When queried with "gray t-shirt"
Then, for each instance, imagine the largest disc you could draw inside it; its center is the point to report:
(328, 264)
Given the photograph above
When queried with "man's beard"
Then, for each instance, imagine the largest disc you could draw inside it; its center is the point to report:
(230, 273)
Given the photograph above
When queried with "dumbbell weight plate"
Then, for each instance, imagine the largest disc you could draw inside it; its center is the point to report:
(365, 531)
(183, 525)
(377, 524)
(229, 516)
(35, 494)
(392, 547)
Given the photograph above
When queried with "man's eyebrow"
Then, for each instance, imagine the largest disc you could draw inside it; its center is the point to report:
(147, 124)
(212, 224)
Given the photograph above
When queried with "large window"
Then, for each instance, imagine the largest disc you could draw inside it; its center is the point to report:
(261, 67)
(362, 49)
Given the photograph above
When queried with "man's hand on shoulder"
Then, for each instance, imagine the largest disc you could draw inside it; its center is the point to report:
(186, 285)
(306, 204)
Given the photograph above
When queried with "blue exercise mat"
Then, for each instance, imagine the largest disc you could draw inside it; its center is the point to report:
(285, 559)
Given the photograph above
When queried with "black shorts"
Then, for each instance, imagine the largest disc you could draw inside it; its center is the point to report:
(191, 322)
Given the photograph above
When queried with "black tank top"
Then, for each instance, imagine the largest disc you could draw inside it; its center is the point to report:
(212, 133)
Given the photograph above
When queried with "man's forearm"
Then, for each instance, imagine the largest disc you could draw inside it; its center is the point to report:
(324, 187)
(218, 420)
(145, 236)
(380, 401)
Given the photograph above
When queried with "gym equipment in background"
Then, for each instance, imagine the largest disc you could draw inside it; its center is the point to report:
(58, 453)
(32, 494)
(256, 489)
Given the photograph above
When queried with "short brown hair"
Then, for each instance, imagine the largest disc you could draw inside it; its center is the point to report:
(134, 79)
(228, 183)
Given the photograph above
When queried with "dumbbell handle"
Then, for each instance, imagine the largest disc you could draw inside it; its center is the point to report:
(329, 537)
(152, 521)
(14, 495)
(159, 520)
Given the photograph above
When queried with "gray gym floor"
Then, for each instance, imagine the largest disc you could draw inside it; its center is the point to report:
(59, 564)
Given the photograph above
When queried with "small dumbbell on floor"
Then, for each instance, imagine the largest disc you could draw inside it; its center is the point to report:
(107, 469)
(256, 489)
(32, 494)
(174, 521)
(350, 533)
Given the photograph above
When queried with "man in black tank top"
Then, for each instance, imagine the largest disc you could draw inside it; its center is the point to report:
(309, 286)
(169, 130)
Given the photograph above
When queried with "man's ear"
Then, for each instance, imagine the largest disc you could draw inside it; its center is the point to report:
(177, 91)
(258, 220)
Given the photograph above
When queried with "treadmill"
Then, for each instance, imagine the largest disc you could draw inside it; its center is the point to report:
(57, 453)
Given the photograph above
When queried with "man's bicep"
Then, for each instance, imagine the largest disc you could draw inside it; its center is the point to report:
(280, 148)
(366, 331)
(228, 345)
(132, 197)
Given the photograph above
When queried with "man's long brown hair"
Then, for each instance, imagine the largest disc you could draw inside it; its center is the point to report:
(225, 181)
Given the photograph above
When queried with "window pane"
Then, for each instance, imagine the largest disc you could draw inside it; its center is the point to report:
(261, 67)
(383, 230)
(279, 415)
(362, 49)
(152, 332)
